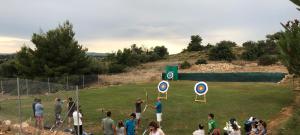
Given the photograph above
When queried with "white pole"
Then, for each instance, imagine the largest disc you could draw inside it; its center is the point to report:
(49, 90)
(20, 116)
(77, 110)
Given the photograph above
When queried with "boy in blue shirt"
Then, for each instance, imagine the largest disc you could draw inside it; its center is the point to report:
(158, 108)
(130, 125)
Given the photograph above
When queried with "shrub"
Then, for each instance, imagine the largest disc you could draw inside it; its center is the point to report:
(116, 68)
(201, 61)
(267, 60)
(221, 52)
(185, 65)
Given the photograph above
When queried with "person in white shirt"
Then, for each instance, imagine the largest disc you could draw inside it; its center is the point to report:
(236, 130)
(77, 118)
(200, 131)
(154, 129)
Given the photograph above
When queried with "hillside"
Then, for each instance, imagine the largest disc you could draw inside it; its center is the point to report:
(152, 71)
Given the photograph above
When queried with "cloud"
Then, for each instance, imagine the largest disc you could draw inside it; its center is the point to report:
(170, 22)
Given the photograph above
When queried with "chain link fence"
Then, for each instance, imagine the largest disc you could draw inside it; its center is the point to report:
(17, 96)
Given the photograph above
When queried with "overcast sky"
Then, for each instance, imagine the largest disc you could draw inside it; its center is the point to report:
(106, 26)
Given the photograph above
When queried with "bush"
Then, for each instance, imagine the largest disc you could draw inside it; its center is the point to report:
(116, 68)
(201, 61)
(185, 65)
(267, 60)
(221, 52)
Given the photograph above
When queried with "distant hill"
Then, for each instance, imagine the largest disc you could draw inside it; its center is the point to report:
(97, 55)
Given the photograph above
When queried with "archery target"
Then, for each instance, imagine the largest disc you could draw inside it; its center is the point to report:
(170, 75)
(201, 88)
(163, 86)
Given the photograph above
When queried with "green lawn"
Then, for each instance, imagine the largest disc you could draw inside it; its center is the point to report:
(181, 114)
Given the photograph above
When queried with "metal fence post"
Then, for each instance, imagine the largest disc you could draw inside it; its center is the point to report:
(82, 81)
(19, 99)
(98, 79)
(49, 90)
(67, 82)
(77, 96)
(27, 90)
(1, 88)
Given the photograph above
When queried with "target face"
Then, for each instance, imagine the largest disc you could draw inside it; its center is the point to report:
(201, 88)
(163, 86)
(170, 75)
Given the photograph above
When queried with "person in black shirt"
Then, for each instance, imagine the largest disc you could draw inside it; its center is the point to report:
(138, 110)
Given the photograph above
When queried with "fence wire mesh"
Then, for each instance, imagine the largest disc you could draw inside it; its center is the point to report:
(17, 96)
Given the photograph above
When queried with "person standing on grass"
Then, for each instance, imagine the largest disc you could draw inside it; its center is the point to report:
(108, 125)
(212, 125)
(158, 108)
(154, 129)
(33, 108)
(57, 110)
(120, 128)
(138, 111)
(39, 112)
(200, 131)
(130, 125)
(77, 118)
(71, 109)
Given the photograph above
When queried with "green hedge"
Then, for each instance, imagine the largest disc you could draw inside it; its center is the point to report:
(232, 77)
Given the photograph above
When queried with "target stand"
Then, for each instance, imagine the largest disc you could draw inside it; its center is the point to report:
(162, 88)
(199, 99)
(163, 95)
(200, 89)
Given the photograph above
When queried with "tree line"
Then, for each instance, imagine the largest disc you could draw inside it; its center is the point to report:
(57, 53)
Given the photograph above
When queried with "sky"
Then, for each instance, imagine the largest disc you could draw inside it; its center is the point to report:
(106, 26)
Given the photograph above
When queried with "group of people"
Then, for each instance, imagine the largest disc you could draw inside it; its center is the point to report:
(253, 126)
(130, 126)
(73, 115)
(212, 127)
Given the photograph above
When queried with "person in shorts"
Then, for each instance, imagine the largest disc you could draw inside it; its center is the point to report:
(138, 110)
(158, 108)
(39, 111)
(57, 110)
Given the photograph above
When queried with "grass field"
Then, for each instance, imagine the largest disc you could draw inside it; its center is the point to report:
(181, 114)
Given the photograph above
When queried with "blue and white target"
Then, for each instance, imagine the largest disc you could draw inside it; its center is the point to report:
(201, 88)
(170, 75)
(163, 86)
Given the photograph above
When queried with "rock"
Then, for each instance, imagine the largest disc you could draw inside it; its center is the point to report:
(7, 122)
